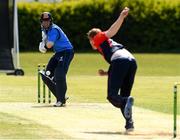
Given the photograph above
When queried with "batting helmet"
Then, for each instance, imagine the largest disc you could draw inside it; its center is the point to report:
(46, 16)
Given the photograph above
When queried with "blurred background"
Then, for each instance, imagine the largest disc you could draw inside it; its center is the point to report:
(152, 25)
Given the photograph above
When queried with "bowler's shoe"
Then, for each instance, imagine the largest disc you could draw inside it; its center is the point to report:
(128, 107)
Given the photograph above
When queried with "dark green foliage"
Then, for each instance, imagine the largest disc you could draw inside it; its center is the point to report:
(152, 25)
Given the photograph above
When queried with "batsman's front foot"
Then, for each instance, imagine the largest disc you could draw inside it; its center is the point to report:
(59, 104)
(128, 107)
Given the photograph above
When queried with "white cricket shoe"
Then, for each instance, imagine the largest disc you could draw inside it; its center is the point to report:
(59, 104)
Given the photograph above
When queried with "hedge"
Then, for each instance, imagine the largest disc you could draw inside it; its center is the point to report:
(152, 25)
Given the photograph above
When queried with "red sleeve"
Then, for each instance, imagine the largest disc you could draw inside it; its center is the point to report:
(99, 38)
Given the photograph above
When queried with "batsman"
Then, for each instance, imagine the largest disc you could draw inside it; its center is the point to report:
(122, 67)
(54, 75)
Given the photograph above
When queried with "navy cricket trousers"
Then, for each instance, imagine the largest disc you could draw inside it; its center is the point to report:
(58, 66)
(120, 81)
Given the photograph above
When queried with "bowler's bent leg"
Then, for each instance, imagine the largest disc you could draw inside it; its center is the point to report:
(117, 72)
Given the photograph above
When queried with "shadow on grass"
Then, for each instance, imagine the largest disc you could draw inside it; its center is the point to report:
(46, 106)
(42, 106)
(106, 133)
(133, 133)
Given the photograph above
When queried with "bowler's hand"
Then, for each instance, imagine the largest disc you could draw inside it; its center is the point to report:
(102, 72)
(125, 12)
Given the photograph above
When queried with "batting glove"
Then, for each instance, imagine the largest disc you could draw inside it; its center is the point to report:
(42, 48)
(44, 37)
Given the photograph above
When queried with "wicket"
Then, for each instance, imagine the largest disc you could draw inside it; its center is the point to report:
(175, 110)
(42, 86)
